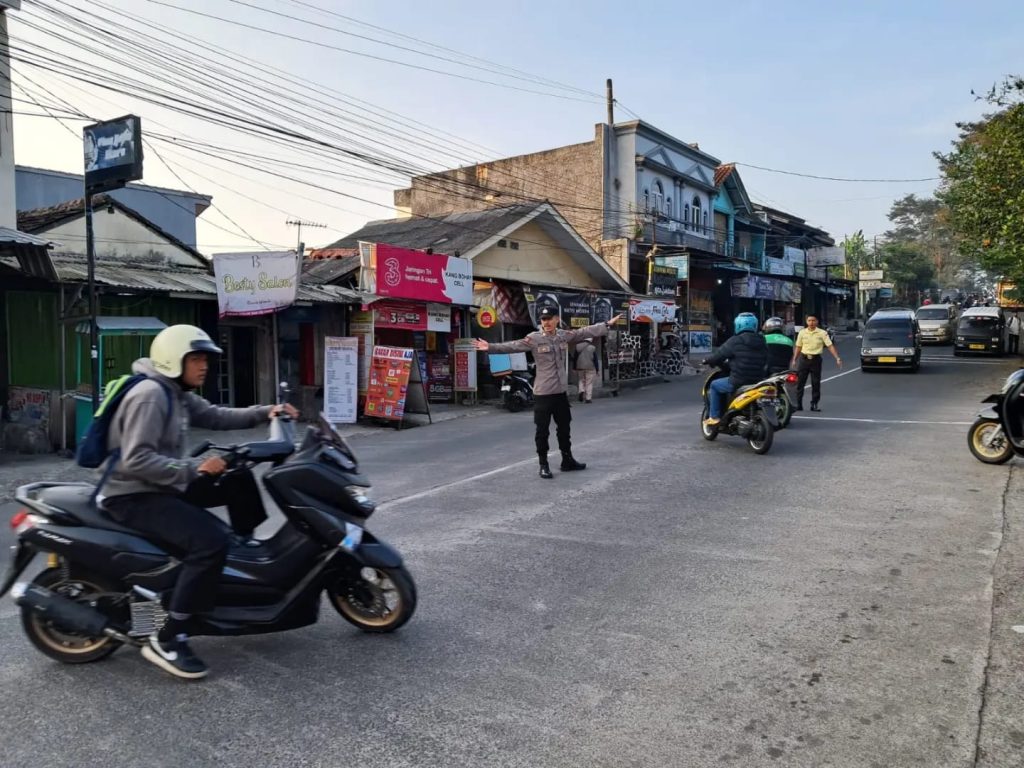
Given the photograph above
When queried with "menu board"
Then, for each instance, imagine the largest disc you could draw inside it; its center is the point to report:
(465, 365)
(389, 382)
(341, 379)
(361, 326)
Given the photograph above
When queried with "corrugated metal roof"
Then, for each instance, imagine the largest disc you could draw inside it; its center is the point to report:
(8, 235)
(145, 326)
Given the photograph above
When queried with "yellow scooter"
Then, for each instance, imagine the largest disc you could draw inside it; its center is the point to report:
(753, 412)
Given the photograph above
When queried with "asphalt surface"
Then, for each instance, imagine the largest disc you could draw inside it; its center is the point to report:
(680, 603)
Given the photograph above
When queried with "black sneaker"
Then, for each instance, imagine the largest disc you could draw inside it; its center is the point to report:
(545, 472)
(571, 465)
(175, 657)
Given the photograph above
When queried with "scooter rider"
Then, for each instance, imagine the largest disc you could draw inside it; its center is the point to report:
(780, 346)
(161, 494)
(549, 346)
(747, 355)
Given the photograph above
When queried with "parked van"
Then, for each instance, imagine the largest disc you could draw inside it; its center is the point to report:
(891, 339)
(937, 323)
(980, 330)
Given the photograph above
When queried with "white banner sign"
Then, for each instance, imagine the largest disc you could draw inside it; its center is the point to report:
(439, 317)
(255, 283)
(870, 285)
(655, 311)
(341, 379)
(826, 257)
(870, 274)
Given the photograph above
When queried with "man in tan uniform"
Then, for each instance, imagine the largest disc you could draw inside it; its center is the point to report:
(549, 346)
(811, 342)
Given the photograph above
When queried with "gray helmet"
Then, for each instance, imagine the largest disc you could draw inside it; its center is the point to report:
(773, 325)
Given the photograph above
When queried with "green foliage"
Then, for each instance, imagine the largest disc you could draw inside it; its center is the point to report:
(857, 256)
(908, 266)
(983, 184)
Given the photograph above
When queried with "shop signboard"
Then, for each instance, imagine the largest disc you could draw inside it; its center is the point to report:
(389, 382)
(832, 256)
(258, 283)
(439, 378)
(681, 263)
(464, 351)
(661, 280)
(778, 266)
(486, 316)
(756, 287)
(113, 153)
(439, 318)
(650, 310)
(870, 285)
(870, 274)
(360, 325)
(341, 379)
(407, 274)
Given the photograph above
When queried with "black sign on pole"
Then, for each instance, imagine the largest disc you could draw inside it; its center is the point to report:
(113, 157)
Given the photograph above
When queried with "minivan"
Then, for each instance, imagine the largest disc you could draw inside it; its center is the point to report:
(981, 330)
(891, 339)
(937, 323)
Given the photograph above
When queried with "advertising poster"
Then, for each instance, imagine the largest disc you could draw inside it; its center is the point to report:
(389, 382)
(407, 274)
(341, 379)
(361, 326)
(465, 365)
(257, 283)
(652, 311)
(439, 378)
(661, 280)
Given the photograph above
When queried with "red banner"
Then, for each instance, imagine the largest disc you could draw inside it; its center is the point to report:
(400, 314)
(389, 382)
(408, 274)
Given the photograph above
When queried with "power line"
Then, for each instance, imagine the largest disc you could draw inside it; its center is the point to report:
(839, 178)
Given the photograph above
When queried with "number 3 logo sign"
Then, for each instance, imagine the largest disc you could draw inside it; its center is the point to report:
(392, 272)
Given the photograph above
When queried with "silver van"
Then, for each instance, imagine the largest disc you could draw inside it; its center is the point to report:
(937, 323)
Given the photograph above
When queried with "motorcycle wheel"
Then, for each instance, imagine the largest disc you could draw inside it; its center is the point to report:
(995, 453)
(66, 647)
(515, 402)
(709, 433)
(785, 411)
(762, 435)
(381, 600)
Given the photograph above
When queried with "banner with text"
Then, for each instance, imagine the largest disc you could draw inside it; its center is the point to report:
(389, 382)
(464, 353)
(258, 283)
(652, 311)
(407, 274)
(341, 379)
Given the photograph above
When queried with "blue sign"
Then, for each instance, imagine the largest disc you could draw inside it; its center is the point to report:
(113, 153)
(885, 293)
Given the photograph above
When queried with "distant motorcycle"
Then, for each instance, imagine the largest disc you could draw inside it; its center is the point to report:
(991, 437)
(517, 391)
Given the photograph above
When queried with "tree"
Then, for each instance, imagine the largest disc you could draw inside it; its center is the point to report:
(857, 257)
(908, 267)
(924, 222)
(983, 184)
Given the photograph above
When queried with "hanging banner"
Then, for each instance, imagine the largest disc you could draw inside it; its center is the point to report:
(650, 311)
(257, 283)
(407, 274)
(576, 310)
(389, 382)
(341, 379)
(832, 256)
(464, 353)
(113, 153)
(661, 280)
(755, 287)
(681, 264)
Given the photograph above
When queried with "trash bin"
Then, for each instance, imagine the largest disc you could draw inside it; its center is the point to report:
(83, 416)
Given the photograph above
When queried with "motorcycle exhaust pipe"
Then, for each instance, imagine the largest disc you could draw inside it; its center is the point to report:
(64, 613)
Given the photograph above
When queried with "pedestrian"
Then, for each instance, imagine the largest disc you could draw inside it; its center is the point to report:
(1013, 328)
(811, 342)
(549, 346)
(152, 488)
(586, 369)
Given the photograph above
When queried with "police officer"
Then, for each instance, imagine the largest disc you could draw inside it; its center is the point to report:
(549, 346)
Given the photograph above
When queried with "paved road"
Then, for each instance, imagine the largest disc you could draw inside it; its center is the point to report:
(680, 603)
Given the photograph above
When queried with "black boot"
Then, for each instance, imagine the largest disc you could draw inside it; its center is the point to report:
(545, 472)
(569, 464)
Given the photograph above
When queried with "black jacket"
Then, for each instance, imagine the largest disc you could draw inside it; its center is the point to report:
(747, 355)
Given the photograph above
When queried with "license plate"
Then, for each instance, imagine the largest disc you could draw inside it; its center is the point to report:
(977, 346)
(506, 387)
(772, 401)
(887, 359)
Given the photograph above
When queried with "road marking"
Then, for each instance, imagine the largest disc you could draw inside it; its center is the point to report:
(886, 421)
(961, 362)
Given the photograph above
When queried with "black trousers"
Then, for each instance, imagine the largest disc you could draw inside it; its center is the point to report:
(808, 366)
(180, 523)
(1014, 343)
(545, 407)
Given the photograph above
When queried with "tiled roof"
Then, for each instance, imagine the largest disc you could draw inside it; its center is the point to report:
(722, 173)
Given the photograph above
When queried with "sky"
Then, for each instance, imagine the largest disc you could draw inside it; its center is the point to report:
(865, 90)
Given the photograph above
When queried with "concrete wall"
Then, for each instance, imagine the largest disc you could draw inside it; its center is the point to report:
(570, 177)
(8, 215)
(174, 212)
(539, 259)
(118, 235)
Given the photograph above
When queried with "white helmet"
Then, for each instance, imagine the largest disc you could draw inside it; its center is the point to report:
(174, 342)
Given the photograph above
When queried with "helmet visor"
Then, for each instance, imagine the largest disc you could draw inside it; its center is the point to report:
(205, 345)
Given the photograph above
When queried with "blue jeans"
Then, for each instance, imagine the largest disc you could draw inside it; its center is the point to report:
(720, 389)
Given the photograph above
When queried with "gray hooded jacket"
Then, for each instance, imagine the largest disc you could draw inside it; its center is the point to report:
(152, 457)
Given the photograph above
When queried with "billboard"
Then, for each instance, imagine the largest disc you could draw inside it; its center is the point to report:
(113, 153)
(403, 273)
(258, 283)
(834, 256)
(661, 280)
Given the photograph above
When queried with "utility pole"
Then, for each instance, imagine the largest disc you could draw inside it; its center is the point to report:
(611, 101)
(299, 223)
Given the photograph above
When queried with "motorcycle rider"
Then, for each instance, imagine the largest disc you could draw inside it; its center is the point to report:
(780, 346)
(747, 355)
(156, 491)
(549, 346)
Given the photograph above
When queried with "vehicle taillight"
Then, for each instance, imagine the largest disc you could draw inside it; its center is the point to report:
(21, 521)
(792, 378)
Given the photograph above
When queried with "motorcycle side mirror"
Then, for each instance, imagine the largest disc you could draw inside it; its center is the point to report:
(200, 449)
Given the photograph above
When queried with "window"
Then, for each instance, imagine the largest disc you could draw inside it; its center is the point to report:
(695, 212)
(503, 243)
(705, 222)
(647, 201)
(513, 244)
(686, 215)
(659, 197)
(668, 207)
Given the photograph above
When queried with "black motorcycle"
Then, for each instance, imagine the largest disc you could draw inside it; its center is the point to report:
(998, 432)
(105, 585)
(517, 391)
